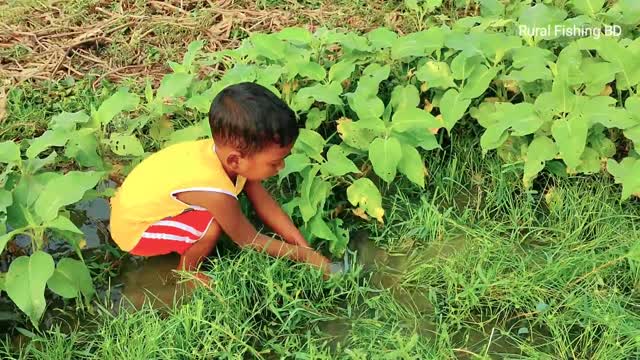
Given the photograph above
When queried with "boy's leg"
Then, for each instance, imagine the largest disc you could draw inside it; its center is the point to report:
(192, 234)
(194, 255)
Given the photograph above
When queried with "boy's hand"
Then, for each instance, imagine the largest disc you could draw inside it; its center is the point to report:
(321, 262)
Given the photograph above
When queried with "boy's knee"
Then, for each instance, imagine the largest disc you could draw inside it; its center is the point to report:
(212, 234)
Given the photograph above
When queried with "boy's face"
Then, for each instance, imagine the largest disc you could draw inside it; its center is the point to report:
(265, 163)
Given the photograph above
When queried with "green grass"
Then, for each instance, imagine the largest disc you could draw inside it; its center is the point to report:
(30, 106)
(474, 267)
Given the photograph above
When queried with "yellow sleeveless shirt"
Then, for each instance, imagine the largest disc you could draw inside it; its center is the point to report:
(148, 194)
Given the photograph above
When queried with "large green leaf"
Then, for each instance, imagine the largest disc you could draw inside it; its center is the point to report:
(589, 161)
(569, 66)
(269, 46)
(493, 46)
(633, 134)
(602, 110)
(121, 101)
(385, 154)
(478, 81)
(71, 278)
(310, 143)
(315, 117)
(436, 74)
(623, 58)
(365, 105)
(632, 104)
(293, 163)
(498, 118)
(190, 56)
(412, 5)
(48, 139)
(327, 93)
(25, 194)
(463, 65)
(6, 199)
(193, 132)
(539, 17)
(312, 71)
(364, 194)
(629, 11)
(26, 281)
(407, 119)
(320, 229)
(627, 173)
(339, 245)
(360, 134)
(63, 223)
(341, 70)
(418, 44)
(9, 152)
(352, 42)
(598, 75)
(371, 78)
(5, 238)
(559, 100)
(528, 55)
(540, 150)
(411, 165)
(420, 138)
(453, 106)
(405, 97)
(125, 145)
(531, 73)
(588, 7)
(491, 8)
(67, 121)
(313, 199)
(237, 74)
(338, 164)
(308, 178)
(173, 85)
(571, 136)
(83, 148)
(469, 45)
(381, 38)
(64, 190)
(269, 74)
(599, 142)
(296, 35)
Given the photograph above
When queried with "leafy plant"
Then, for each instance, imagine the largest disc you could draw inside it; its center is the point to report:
(370, 105)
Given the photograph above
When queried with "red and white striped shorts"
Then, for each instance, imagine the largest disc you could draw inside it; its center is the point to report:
(173, 234)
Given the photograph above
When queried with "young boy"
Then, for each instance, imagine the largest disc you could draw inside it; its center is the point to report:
(183, 197)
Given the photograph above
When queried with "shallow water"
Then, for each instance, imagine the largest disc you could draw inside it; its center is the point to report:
(152, 280)
(387, 270)
(92, 218)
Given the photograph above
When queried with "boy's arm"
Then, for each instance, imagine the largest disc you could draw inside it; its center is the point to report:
(272, 214)
(227, 213)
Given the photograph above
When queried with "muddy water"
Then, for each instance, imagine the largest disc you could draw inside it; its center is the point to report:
(387, 270)
(92, 218)
(152, 280)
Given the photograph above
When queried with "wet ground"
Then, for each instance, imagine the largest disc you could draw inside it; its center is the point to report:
(153, 280)
(387, 271)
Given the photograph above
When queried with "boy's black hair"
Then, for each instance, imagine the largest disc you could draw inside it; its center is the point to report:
(249, 117)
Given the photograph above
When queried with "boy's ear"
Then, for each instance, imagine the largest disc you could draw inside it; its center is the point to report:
(233, 160)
